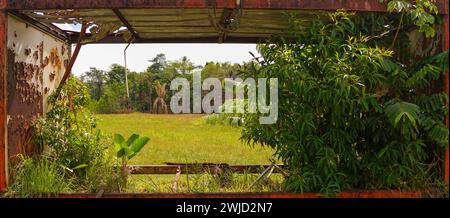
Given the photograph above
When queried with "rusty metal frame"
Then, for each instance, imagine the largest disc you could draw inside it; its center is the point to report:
(226, 15)
(331, 5)
(209, 39)
(353, 194)
(127, 24)
(3, 96)
(196, 168)
(327, 5)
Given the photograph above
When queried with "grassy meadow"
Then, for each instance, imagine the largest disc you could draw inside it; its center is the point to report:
(188, 139)
(183, 139)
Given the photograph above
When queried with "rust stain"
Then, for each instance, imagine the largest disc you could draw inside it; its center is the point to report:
(55, 59)
(27, 51)
(52, 76)
(45, 62)
(24, 104)
(41, 51)
(3, 97)
(35, 55)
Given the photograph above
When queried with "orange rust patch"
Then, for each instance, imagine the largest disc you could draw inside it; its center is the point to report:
(55, 59)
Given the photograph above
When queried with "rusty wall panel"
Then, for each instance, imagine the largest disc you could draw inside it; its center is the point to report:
(3, 91)
(35, 65)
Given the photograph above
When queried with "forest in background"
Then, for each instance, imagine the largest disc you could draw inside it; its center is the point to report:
(108, 87)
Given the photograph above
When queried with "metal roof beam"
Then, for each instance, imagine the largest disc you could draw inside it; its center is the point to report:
(113, 39)
(127, 24)
(330, 5)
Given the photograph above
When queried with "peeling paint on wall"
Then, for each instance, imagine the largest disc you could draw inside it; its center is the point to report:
(35, 68)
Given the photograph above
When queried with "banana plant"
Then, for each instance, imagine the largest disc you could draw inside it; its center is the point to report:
(127, 149)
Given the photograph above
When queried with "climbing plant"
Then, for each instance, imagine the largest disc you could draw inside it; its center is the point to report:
(351, 114)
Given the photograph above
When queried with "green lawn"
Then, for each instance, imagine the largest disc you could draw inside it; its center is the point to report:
(183, 139)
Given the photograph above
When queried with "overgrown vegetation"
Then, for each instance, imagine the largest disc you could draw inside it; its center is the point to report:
(74, 154)
(352, 113)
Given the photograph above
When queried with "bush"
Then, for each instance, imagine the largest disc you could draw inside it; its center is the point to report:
(351, 116)
(231, 119)
(68, 134)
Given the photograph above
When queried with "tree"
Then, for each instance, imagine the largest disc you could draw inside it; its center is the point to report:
(160, 106)
(184, 66)
(158, 65)
(116, 73)
(351, 115)
(95, 81)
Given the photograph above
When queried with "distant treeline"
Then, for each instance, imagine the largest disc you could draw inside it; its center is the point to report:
(108, 88)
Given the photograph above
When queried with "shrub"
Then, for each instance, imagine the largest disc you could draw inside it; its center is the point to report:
(68, 134)
(231, 119)
(351, 116)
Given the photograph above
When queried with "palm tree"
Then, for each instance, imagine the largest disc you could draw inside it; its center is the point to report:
(160, 106)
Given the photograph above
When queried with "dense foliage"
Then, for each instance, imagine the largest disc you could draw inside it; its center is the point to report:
(69, 138)
(351, 113)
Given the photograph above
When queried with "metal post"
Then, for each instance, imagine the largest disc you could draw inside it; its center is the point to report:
(126, 73)
(3, 96)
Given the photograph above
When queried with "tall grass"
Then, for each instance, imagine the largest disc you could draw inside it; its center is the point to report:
(205, 183)
(36, 177)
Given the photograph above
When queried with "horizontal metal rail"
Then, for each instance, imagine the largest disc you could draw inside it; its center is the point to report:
(198, 168)
(350, 194)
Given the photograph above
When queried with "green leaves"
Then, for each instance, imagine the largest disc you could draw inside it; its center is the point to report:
(352, 114)
(398, 6)
(405, 111)
(420, 13)
(129, 148)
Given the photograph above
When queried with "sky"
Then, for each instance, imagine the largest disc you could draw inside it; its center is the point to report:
(102, 56)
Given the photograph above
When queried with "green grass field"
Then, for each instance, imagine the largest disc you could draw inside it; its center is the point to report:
(183, 139)
(187, 139)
